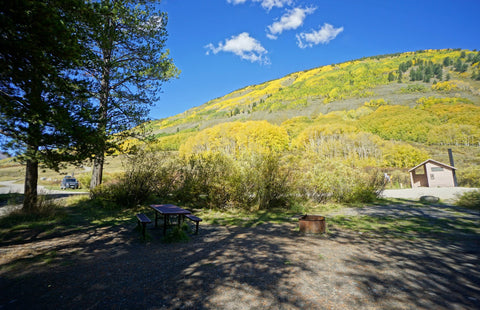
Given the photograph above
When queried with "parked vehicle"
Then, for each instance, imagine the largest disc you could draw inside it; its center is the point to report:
(69, 182)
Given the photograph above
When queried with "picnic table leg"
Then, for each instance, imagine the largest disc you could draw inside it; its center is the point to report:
(164, 224)
(156, 216)
(144, 226)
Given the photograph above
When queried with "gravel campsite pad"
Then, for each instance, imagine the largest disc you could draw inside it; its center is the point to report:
(269, 266)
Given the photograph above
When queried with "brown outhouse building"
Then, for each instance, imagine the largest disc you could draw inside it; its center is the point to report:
(432, 173)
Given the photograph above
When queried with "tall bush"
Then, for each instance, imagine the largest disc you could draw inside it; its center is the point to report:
(272, 181)
(205, 180)
(470, 200)
(138, 184)
(336, 181)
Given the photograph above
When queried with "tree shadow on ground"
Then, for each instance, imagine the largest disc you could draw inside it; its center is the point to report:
(424, 273)
(112, 268)
(267, 266)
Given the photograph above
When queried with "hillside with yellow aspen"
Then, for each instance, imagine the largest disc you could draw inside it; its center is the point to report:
(330, 126)
(399, 79)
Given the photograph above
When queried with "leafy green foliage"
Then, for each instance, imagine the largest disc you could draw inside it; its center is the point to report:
(413, 88)
(470, 200)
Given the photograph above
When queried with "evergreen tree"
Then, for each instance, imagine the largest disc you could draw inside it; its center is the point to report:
(413, 75)
(44, 112)
(391, 77)
(439, 76)
(476, 58)
(470, 57)
(458, 65)
(128, 39)
(447, 61)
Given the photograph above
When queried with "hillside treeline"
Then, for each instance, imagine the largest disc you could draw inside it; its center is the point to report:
(398, 110)
(340, 156)
(432, 121)
(337, 82)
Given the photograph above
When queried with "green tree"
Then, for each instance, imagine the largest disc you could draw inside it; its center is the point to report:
(447, 61)
(44, 114)
(458, 65)
(399, 77)
(413, 75)
(391, 77)
(130, 65)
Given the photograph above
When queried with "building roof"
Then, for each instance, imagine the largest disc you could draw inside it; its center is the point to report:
(433, 161)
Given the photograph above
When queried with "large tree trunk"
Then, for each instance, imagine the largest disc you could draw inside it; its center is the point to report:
(97, 171)
(31, 181)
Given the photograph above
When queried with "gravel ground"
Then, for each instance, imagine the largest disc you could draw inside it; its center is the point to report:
(446, 194)
(264, 267)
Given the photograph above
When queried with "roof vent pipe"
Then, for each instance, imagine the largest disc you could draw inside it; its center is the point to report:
(450, 156)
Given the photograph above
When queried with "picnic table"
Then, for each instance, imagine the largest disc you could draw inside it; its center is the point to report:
(168, 210)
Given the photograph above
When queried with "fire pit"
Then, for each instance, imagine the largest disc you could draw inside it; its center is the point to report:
(313, 224)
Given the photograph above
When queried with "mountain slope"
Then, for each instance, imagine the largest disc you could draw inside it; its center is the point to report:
(335, 87)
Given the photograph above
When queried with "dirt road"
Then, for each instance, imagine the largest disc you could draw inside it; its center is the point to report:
(10, 187)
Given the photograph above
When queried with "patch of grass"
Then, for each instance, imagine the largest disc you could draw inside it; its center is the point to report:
(255, 217)
(49, 257)
(85, 211)
(321, 209)
(245, 218)
(11, 199)
(177, 234)
(57, 218)
(411, 227)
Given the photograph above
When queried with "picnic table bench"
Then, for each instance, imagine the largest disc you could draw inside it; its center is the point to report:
(143, 220)
(195, 219)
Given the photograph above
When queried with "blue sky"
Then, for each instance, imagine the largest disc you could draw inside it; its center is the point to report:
(224, 45)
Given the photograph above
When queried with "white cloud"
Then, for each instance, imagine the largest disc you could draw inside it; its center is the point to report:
(269, 4)
(266, 4)
(242, 45)
(291, 20)
(324, 35)
(236, 1)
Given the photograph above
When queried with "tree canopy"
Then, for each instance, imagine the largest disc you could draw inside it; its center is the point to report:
(129, 65)
(44, 112)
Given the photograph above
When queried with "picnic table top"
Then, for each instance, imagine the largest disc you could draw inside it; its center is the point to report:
(169, 209)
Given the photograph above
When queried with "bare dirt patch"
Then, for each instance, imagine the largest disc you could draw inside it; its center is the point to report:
(270, 266)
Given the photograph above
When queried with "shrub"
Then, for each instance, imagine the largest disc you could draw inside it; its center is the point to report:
(204, 179)
(413, 88)
(470, 200)
(335, 181)
(137, 185)
(469, 176)
(219, 181)
(272, 181)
